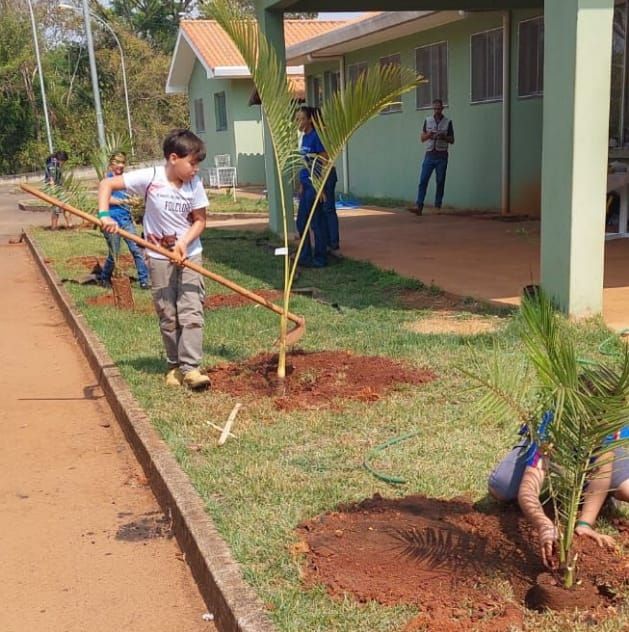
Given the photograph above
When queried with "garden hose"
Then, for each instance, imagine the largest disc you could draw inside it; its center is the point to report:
(602, 348)
(394, 480)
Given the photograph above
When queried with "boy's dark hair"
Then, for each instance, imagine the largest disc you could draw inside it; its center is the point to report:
(183, 142)
(439, 101)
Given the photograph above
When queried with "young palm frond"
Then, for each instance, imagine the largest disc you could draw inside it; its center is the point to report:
(343, 115)
(589, 405)
(505, 385)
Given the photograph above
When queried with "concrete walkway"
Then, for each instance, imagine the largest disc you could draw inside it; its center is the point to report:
(484, 258)
(83, 544)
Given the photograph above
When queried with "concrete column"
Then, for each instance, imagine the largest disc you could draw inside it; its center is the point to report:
(577, 69)
(272, 27)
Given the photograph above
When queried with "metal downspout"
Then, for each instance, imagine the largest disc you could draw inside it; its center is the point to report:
(345, 154)
(505, 168)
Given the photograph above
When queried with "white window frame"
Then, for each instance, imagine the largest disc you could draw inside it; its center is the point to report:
(221, 126)
(199, 115)
(316, 90)
(428, 106)
(493, 99)
(540, 69)
(395, 108)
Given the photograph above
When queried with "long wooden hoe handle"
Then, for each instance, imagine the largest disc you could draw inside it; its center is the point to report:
(292, 336)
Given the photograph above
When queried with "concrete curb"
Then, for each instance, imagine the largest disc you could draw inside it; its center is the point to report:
(235, 606)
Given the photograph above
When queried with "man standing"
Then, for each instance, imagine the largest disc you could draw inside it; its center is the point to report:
(437, 133)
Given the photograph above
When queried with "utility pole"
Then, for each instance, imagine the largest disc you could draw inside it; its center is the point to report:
(90, 49)
(41, 77)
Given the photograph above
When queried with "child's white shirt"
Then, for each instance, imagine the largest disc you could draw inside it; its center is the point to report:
(168, 210)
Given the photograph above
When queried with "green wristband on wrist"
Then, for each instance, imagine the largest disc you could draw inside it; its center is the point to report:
(583, 523)
(102, 214)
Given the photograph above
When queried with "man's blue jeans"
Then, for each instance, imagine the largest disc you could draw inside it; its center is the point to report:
(113, 241)
(438, 164)
(318, 258)
(329, 211)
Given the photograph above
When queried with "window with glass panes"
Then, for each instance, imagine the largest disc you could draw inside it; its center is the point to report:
(531, 57)
(432, 63)
(199, 116)
(356, 70)
(486, 66)
(220, 111)
(395, 62)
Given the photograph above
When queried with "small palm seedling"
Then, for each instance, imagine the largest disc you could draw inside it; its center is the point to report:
(343, 114)
(586, 404)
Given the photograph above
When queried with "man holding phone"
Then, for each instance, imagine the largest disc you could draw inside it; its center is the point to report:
(437, 133)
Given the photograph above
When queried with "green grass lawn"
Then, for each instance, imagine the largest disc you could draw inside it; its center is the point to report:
(288, 467)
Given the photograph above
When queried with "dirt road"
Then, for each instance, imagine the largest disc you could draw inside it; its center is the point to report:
(83, 544)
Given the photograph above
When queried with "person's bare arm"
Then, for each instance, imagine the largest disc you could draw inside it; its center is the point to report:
(594, 497)
(424, 136)
(106, 187)
(528, 499)
(196, 228)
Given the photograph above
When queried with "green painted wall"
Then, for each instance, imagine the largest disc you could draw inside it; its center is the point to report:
(242, 139)
(473, 179)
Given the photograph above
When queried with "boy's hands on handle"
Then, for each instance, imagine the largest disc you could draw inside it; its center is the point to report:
(292, 336)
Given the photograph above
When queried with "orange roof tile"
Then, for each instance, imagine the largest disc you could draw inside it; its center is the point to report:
(212, 43)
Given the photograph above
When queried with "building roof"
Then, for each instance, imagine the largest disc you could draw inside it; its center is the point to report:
(207, 42)
(367, 30)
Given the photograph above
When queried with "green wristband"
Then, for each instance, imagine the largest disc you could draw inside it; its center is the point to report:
(102, 214)
(583, 523)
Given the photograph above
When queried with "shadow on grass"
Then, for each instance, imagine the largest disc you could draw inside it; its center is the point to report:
(345, 282)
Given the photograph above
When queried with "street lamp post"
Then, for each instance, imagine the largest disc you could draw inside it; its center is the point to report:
(41, 77)
(122, 66)
(90, 49)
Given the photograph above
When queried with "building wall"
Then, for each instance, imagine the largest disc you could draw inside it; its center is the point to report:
(385, 155)
(242, 139)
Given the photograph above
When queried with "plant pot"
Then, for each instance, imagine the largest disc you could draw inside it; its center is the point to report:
(123, 297)
(548, 594)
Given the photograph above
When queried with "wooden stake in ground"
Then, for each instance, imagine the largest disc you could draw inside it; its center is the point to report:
(228, 426)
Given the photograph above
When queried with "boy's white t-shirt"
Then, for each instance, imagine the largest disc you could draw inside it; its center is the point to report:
(168, 210)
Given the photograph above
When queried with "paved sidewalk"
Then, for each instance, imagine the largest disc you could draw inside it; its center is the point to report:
(83, 544)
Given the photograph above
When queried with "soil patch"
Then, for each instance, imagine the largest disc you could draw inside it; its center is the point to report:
(443, 556)
(218, 301)
(316, 380)
(92, 261)
(107, 300)
(449, 322)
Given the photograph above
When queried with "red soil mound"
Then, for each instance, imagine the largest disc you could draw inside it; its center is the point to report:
(316, 380)
(218, 301)
(443, 556)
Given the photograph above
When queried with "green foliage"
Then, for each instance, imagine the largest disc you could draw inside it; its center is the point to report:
(589, 403)
(343, 115)
(68, 87)
(154, 20)
(248, 7)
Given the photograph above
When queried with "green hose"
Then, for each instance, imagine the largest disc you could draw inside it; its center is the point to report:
(602, 348)
(394, 480)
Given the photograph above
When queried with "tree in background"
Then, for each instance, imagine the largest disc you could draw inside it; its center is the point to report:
(154, 20)
(248, 6)
(69, 91)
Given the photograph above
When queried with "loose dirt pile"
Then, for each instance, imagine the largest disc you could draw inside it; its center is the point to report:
(316, 380)
(443, 556)
(218, 301)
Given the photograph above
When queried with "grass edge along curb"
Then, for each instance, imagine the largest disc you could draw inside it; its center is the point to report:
(234, 604)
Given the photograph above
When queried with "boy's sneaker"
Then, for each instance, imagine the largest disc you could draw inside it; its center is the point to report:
(174, 377)
(145, 286)
(196, 380)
